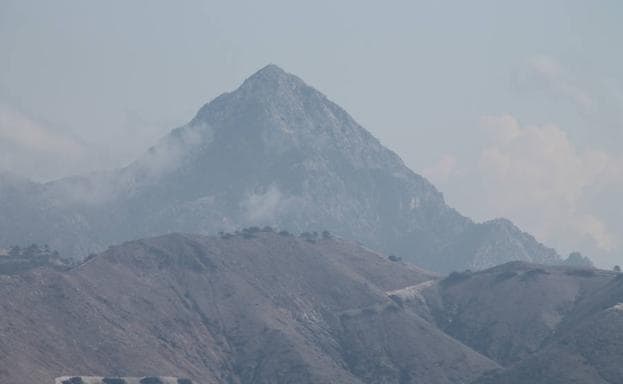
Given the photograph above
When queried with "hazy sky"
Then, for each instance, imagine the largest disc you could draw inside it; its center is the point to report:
(512, 109)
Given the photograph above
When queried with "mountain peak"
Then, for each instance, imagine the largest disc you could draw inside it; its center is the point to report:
(272, 76)
(270, 85)
(273, 152)
(271, 70)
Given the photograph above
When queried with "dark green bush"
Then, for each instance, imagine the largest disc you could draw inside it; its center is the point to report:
(74, 380)
(310, 237)
(581, 272)
(456, 277)
(505, 276)
(533, 274)
(113, 380)
(151, 380)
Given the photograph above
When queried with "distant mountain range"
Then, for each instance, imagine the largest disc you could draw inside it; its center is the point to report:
(262, 307)
(273, 152)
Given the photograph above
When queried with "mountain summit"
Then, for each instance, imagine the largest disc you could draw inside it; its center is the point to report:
(272, 76)
(273, 152)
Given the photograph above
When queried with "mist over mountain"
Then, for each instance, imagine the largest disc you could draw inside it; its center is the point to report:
(273, 152)
(424, 192)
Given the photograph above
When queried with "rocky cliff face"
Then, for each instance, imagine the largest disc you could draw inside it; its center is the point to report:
(273, 152)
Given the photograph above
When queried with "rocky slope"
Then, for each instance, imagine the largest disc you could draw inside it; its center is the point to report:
(587, 347)
(508, 312)
(257, 307)
(266, 307)
(273, 152)
(17, 259)
(542, 324)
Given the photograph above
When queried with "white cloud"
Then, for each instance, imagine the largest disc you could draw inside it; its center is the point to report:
(263, 206)
(171, 150)
(22, 131)
(32, 149)
(535, 175)
(549, 73)
(442, 170)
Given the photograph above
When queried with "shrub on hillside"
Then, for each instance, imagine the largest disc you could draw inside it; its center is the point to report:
(456, 277)
(74, 380)
(113, 380)
(151, 380)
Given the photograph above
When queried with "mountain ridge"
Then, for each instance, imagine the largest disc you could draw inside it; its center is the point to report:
(259, 306)
(273, 152)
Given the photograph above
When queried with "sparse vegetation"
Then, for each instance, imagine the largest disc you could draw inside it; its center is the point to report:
(310, 237)
(19, 259)
(576, 259)
(113, 380)
(74, 380)
(456, 277)
(581, 272)
(33, 251)
(251, 232)
(506, 275)
(533, 274)
(151, 380)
